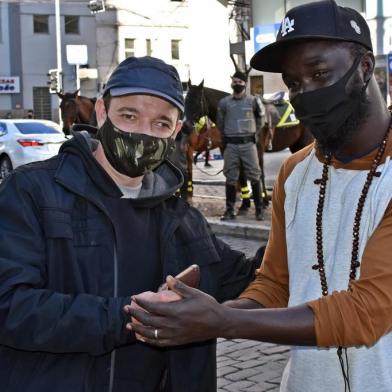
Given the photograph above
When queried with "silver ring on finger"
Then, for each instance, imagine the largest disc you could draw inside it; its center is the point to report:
(156, 333)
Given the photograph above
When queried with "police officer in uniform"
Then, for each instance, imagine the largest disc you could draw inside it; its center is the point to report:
(240, 117)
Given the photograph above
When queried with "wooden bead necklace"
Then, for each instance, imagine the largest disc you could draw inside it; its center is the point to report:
(357, 219)
(356, 226)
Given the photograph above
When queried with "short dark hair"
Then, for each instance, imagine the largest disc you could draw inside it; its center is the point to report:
(106, 100)
(355, 48)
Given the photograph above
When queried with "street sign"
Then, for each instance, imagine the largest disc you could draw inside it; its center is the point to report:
(264, 35)
(76, 54)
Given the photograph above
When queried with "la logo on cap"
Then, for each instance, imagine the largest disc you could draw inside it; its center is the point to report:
(287, 26)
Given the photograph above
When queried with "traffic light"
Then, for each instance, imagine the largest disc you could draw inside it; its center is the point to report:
(96, 6)
(54, 81)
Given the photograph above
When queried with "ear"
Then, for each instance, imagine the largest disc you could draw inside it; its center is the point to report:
(368, 63)
(100, 112)
(74, 95)
(201, 83)
(189, 83)
(61, 96)
(178, 128)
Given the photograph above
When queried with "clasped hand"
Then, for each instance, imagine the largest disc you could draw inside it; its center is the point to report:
(175, 316)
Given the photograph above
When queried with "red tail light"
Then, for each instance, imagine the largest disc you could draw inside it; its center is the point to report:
(30, 142)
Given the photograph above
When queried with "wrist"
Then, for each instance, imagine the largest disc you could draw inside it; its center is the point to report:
(228, 324)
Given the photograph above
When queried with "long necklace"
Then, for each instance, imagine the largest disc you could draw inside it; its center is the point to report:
(320, 266)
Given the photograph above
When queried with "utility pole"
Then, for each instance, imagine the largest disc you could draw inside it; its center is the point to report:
(58, 51)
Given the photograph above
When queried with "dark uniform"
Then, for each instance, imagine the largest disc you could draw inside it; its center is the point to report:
(240, 118)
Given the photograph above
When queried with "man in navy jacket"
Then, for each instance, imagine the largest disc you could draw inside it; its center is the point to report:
(84, 231)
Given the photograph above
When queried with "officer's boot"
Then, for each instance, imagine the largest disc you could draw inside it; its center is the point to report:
(256, 190)
(230, 203)
(245, 194)
(244, 207)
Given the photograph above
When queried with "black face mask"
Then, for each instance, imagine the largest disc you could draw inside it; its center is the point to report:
(133, 154)
(326, 109)
(238, 88)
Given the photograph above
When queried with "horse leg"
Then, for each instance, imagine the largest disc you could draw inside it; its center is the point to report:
(196, 156)
(206, 158)
(245, 192)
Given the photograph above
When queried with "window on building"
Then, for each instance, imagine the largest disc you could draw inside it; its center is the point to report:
(41, 24)
(42, 103)
(175, 49)
(129, 45)
(148, 47)
(71, 23)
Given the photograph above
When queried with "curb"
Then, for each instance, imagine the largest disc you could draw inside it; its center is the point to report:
(238, 229)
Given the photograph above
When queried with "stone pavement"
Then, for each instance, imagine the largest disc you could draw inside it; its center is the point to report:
(248, 365)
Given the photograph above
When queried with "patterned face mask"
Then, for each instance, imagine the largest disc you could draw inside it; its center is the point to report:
(133, 154)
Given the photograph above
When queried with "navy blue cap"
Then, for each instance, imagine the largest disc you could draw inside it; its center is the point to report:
(146, 75)
(313, 21)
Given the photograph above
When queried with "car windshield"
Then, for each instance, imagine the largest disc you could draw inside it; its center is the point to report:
(36, 127)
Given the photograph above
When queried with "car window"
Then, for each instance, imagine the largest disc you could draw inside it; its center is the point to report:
(36, 127)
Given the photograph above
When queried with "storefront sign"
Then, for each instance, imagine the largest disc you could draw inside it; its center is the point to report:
(9, 84)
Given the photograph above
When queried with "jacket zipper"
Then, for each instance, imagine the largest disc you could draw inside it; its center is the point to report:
(115, 294)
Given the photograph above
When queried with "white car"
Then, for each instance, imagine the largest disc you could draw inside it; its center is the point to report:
(24, 141)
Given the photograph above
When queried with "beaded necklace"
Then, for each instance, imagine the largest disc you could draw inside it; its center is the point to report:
(356, 226)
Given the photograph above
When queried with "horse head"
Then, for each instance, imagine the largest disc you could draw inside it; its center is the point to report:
(76, 109)
(69, 110)
(196, 105)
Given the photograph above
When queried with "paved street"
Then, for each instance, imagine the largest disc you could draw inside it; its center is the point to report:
(247, 365)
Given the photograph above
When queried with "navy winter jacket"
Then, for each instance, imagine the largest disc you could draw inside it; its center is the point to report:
(61, 319)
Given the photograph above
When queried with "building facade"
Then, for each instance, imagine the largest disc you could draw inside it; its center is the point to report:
(192, 35)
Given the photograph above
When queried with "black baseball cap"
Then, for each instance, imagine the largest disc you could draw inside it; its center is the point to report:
(313, 21)
(146, 75)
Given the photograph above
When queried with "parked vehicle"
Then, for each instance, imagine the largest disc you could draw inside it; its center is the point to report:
(23, 141)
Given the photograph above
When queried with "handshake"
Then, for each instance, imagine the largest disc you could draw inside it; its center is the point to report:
(190, 276)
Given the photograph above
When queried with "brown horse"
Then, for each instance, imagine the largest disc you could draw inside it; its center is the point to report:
(76, 109)
(207, 138)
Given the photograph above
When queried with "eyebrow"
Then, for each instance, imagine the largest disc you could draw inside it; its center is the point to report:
(132, 109)
(315, 60)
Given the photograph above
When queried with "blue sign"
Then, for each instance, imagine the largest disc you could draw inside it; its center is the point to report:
(390, 63)
(264, 35)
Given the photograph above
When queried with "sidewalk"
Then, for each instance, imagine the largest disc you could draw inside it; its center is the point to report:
(245, 226)
(209, 198)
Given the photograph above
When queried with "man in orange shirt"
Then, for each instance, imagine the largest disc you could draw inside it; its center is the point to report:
(325, 285)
